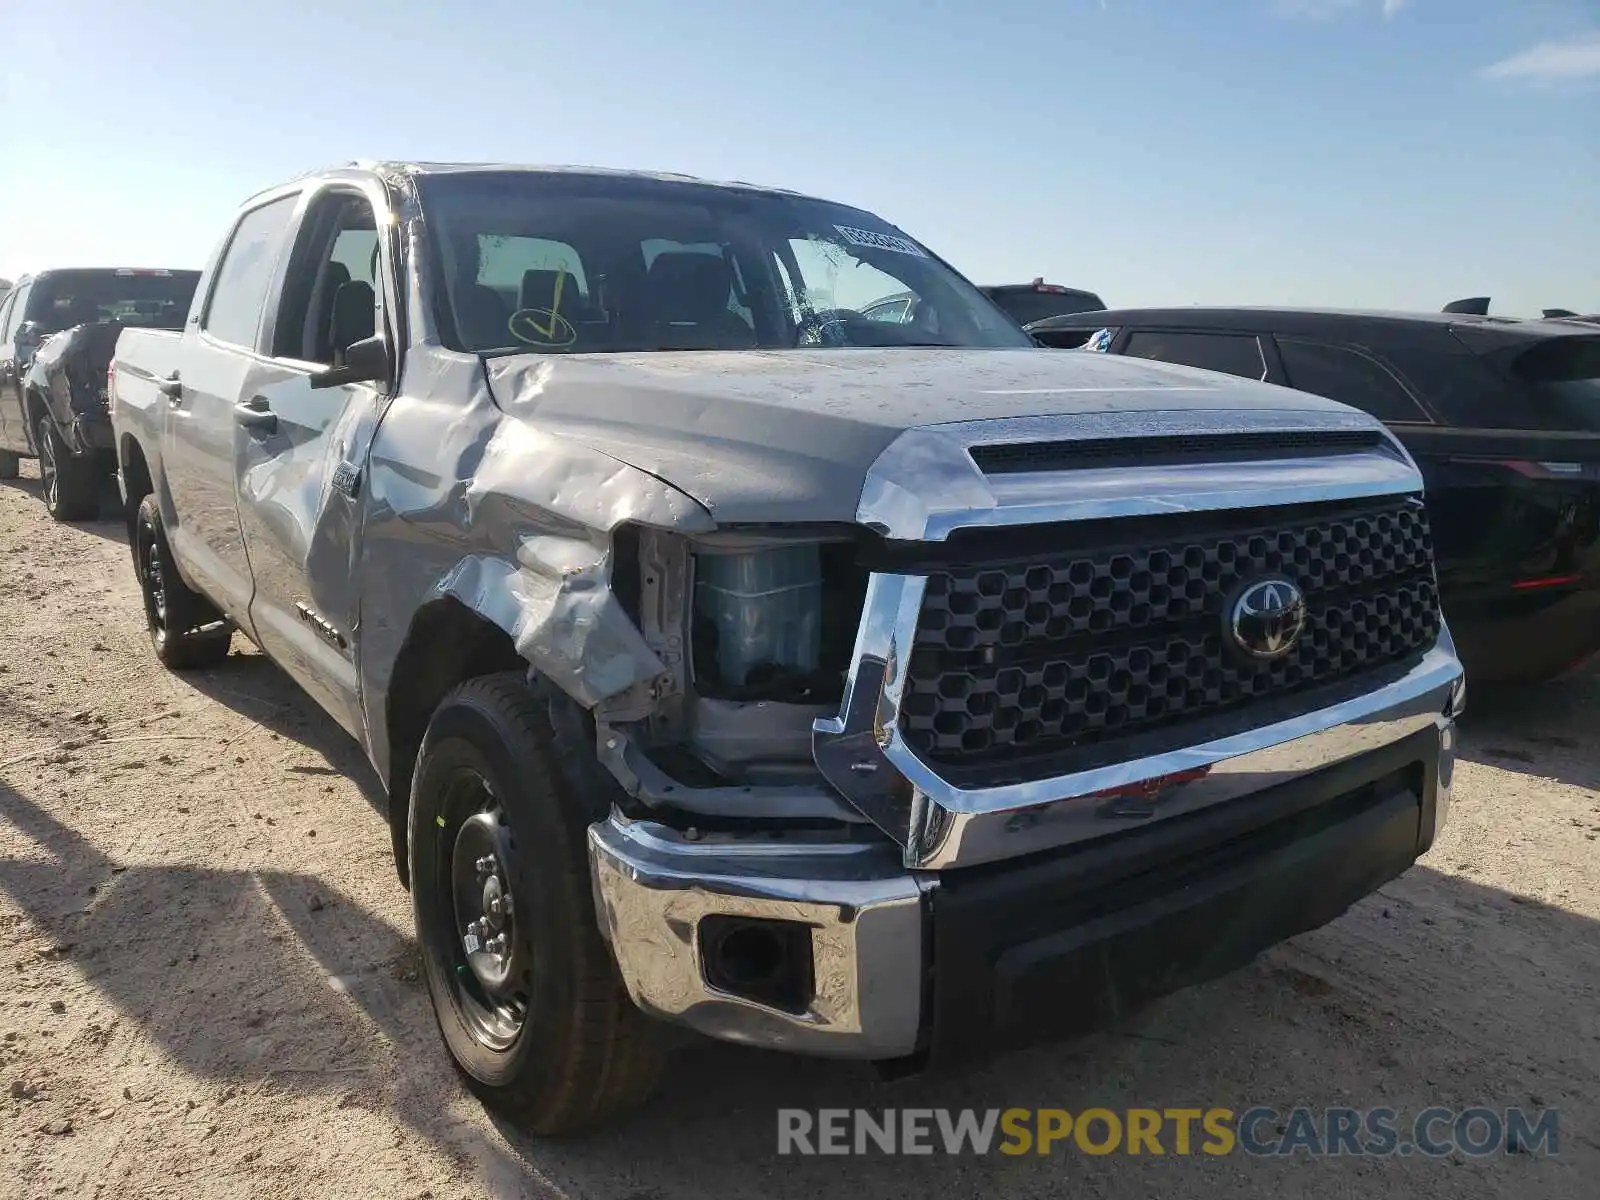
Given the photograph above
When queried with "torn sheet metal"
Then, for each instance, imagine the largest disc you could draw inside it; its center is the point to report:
(549, 506)
(469, 502)
(69, 372)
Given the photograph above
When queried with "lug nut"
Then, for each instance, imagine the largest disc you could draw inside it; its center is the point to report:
(485, 865)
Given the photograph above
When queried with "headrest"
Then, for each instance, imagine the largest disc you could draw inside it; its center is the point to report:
(539, 291)
(354, 317)
(685, 286)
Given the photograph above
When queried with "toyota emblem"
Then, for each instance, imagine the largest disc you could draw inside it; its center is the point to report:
(1267, 618)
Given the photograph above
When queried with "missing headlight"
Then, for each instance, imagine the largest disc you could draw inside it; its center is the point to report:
(775, 621)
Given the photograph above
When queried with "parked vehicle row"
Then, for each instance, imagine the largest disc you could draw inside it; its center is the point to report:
(58, 330)
(1502, 416)
(898, 693)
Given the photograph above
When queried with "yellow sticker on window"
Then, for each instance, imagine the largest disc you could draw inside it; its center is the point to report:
(545, 326)
(541, 327)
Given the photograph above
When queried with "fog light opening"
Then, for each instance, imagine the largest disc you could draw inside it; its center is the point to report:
(768, 962)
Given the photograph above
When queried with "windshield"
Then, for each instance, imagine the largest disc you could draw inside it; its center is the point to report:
(151, 299)
(587, 263)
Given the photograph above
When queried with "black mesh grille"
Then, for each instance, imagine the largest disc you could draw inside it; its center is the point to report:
(1012, 457)
(1063, 657)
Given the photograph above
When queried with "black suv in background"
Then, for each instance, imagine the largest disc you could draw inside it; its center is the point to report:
(1502, 415)
(58, 330)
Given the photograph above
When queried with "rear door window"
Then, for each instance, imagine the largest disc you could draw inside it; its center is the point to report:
(233, 312)
(1231, 353)
(1350, 376)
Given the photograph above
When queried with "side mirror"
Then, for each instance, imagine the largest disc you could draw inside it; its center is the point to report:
(30, 334)
(366, 361)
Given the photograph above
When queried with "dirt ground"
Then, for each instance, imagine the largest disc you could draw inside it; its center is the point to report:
(209, 986)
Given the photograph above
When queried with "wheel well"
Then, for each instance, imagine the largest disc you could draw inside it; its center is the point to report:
(33, 407)
(136, 481)
(447, 644)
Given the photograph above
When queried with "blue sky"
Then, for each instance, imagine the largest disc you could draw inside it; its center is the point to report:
(1380, 153)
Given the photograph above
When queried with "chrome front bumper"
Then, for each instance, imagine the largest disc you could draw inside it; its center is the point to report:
(653, 887)
(869, 912)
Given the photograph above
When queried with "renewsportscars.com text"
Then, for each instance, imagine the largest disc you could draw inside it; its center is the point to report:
(1260, 1131)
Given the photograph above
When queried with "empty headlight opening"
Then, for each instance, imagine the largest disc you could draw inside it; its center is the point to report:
(758, 625)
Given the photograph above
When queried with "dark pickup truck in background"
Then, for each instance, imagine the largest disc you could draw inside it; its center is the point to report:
(58, 332)
(1029, 302)
(1501, 415)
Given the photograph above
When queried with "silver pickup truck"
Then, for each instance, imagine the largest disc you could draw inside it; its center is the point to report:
(881, 687)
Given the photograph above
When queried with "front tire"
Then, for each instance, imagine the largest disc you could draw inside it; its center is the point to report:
(524, 990)
(184, 629)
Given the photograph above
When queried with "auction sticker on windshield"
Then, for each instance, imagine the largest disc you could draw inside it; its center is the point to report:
(880, 241)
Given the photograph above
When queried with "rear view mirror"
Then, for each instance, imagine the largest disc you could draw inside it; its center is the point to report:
(366, 361)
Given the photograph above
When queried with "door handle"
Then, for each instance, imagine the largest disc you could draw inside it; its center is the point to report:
(170, 386)
(254, 414)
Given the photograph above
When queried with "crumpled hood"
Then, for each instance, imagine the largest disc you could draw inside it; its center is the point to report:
(759, 436)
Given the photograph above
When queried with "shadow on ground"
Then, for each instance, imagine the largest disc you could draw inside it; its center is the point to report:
(108, 525)
(250, 684)
(1544, 730)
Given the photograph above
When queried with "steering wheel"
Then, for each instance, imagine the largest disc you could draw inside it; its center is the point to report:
(828, 327)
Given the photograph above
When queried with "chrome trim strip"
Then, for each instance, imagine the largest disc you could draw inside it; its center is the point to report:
(652, 887)
(925, 485)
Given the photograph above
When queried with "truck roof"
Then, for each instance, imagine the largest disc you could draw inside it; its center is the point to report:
(36, 276)
(394, 167)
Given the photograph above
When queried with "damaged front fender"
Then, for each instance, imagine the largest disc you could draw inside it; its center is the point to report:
(549, 505)
(513, 523)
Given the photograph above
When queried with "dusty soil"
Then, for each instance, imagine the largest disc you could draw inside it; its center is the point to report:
(207, 981)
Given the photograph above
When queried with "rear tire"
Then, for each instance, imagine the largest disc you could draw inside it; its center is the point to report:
(69, 484)
(185, 630)
(541, 1028)
(10, 465)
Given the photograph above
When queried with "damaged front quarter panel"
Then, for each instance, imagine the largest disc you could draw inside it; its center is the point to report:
(513, 523)
(548, 507)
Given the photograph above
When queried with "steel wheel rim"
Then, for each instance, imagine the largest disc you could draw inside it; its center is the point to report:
(492, 986)
(152, 576)
(48, 474)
